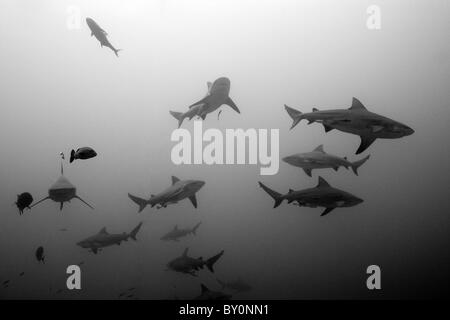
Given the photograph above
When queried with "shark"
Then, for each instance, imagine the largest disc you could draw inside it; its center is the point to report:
(323, 195)
(207, 294)
(318, 159)
(238, 285)
(356, 120)
(62, 191)
(179, 190)
(101, 35)
(189, 265)
(104, 239)
(177, 233)
(217, 95)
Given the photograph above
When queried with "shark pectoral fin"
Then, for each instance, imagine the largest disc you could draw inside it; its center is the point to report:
(39, 201)
(366, 141)
(230, 103)
(193, 200)
(308, 171)
(327, 128)
(84, 202)
(327, 211)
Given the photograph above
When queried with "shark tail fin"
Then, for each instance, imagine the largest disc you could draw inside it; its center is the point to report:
(178, 116)
(72, 156)
(211, 261)
(134, 232)
(142, 203)
(116, 51)
(355, 165)
(194, 229)
(294, 114)
(275, 195)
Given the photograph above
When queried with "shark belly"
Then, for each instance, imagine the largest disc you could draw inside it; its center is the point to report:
(62, 195)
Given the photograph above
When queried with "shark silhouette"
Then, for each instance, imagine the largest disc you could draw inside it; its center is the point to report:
(62, 191)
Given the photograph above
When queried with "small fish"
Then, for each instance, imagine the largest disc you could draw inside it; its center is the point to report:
(40, 254)
(23, 201)
(130, 295)
(82, 153)
(5, 282)
(21, 274)
(59, 291)
(63, 229)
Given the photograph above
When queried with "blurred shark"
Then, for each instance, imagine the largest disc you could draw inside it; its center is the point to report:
(218, 94)
(238, 285)
(355, 120)
(176, 233)
(323, 195)
(62, 191)
(186, 264)
(101, 35)
(318, 159)
(104, 239)
(207, 294)
(179, 190)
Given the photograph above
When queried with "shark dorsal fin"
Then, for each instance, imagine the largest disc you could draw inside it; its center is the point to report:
(204, 288)
(345, 158)
(103, 231)
(185, 252)
(290, 190)
(319, 148)
(315, 109)
(322, 183)
(175, 179)
(357, 105)
(208, 85)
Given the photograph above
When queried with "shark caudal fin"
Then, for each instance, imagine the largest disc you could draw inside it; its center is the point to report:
(178, 116)
(116, 51)
(211, 261)
(194, 229)
(142, 203)
(72, 156)
(355, 165)
(134, 232)
(294, 114)
(275, 195)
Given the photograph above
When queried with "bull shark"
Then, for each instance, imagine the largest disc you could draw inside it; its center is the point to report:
(101, 35)
(318, 159)
(238, 285)
(207, 294)
(179, 190)
(104, 239)
(62, 191)
(323, 195)
(189, 265)
(217, 95)
(177, 233)
(356, 120)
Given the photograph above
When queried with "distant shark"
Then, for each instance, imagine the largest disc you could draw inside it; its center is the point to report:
(318, 159)
(101, 35)
(238, 285)
(355, 120)
(62, 191)
(177, 233)
(323, 195)
(104, 239)
(207, 294)
(179, 190)
(189, 265)
(218, 95)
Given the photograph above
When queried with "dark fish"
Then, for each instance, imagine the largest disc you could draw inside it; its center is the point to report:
(130, 295)
(40, 254)
(23, 201)
(5, 282)
(131, 289)
(21, 274)
(82, 153)
(59, 291)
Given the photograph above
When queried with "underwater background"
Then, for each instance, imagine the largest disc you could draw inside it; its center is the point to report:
(60, 91)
